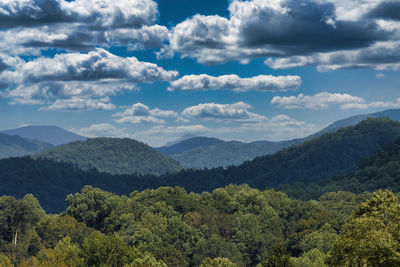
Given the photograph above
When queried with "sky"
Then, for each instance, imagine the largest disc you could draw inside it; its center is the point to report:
(157, 70)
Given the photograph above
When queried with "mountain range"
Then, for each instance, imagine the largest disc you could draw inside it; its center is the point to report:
(49, 134)
(16, 146)
(203, 152)
(112, 155)
(329, 155)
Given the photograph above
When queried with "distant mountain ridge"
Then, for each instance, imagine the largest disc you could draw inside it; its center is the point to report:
(16, 146)
(182, 138)
(113, 155)
(227, 153)
(49, 134)
(188, 144)
(380, 171)
(320, 159)
(200, 154)
(393, 114)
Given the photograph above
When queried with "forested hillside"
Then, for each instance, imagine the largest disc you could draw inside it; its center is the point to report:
(51, 181)
(16, 146)
(201, 152)
(227, 153)
(188, 144)
(380, 171)
(114, 156)
(232, 226)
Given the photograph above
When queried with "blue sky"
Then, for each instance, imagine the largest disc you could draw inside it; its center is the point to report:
(156, 70)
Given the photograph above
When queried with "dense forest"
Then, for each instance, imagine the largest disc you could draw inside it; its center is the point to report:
(232, 226)
(51, 181)
(228, 153)
(114, 156)
(208, 221)
(379, 171)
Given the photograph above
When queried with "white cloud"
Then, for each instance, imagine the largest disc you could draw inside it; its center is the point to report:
(324, 100)
(152, 36)
(265, 83)
(80, 104)
(102, 13)
(279, 29)
(160, 134)
(318, 101)
(225, 112)
(380, 56)
(88, 77)
(29, 25)
(373, 104)
(280, 127)
(140, 113)
(99, 130)
(95, 65)
(380, 75)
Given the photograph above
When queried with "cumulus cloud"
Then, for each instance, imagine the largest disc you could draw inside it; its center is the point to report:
(224, 112)
(386, 10)
(100, 129)
(68, 77)
(373, 104)
(102, 13)
(280, 127)
(79, 104)
(324, 100)
(265, 83)
(152, 36)
(95, 65)
(380, 56)
(140, 113)
(279, 29)
(380, 75)
(160, 134)
(79, 24)
(318, 101)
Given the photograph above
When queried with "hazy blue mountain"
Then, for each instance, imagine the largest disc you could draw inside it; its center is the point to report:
(227, 153)
(16, 146)
(183, 138)
(324, 157)
(393, 114)
(49, 134)
(188, 144)
(197, 153)
(113, 155)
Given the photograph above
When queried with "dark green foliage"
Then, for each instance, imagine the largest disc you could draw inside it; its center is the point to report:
(393, 114)
(318, 159)
(114, 156)
(15, 146)
(227, 153)
(377, 172)
(188, 144)
(371, 237)
(232, 226)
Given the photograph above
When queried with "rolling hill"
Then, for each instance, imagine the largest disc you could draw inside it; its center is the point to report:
(188, 144)
(16, 146)
(330, 155)
(227, 153)
(380, 171)
(49, 134)
(200, 154)
(113, 155)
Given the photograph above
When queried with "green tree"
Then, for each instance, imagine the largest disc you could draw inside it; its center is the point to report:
(372, 235)
(16, 218)
(217, 262)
